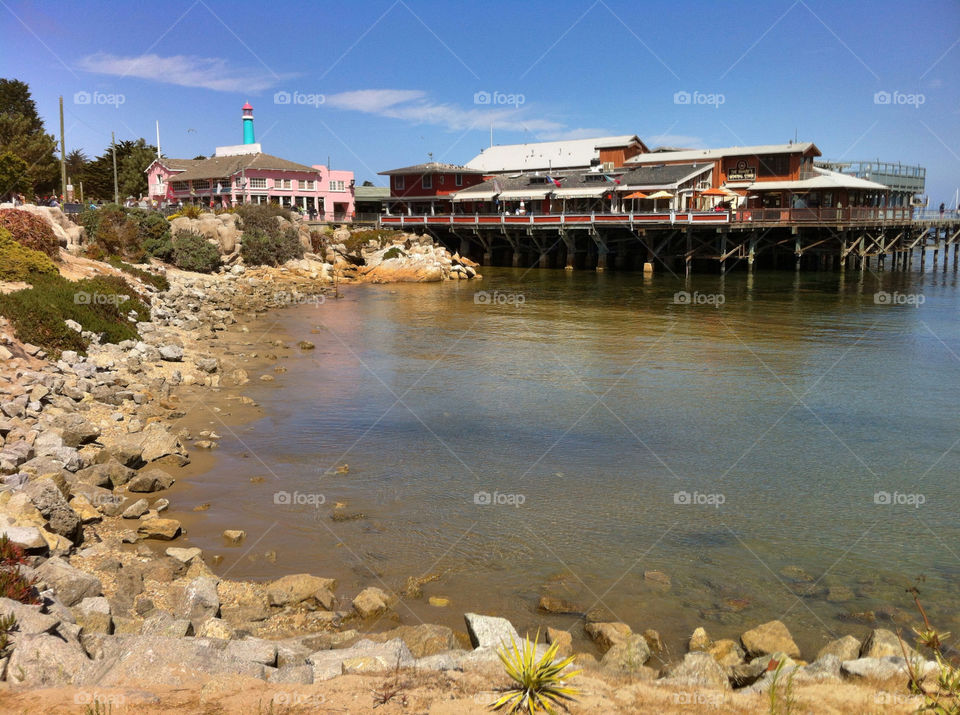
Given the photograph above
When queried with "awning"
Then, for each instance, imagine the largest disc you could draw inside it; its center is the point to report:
(474, 196)
(524, 194)
(581, 192)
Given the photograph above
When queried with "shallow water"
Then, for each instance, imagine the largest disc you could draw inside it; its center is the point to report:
(599, 402)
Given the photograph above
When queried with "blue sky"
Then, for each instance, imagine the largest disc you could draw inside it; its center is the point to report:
(380, 84)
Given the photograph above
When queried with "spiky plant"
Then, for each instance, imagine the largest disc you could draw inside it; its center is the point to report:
(539, 684)
(943, 697)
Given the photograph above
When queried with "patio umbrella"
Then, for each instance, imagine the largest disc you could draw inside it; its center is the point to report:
(715, 192)
(636, 195)
(659, 195)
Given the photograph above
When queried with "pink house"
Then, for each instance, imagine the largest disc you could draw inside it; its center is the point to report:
(244, 174)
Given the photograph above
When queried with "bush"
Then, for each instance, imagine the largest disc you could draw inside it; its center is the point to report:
(161, 248)
(359, 239)
(30, 231)
(262, 217)
(116, 234)
(157, 281)
(395, 252)
(19, 263)
(101, 305)
(192, 252)
(191, 210)
(262, 249)
(13, 584)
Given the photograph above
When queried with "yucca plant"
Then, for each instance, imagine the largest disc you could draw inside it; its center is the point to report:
(942, 698)
(539, 684)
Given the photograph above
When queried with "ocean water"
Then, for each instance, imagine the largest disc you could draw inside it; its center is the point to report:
(780, 446)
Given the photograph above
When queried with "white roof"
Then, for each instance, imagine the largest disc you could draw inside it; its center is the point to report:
(474, 195)
(580, 192)
(543, 156)
(827, 180)
(692, 155)
(528, 193)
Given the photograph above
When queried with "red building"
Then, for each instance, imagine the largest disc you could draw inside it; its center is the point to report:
(427, 188)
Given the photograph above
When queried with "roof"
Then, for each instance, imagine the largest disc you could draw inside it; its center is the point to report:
(662, 175)
(522, 186)
(711, 154)
(371, 193)
(222, 166)
(431, 167)
(177, 164)
(544, 156)
(827, 180)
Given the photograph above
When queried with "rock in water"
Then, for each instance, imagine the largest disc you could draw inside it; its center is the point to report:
(490, 631)
(769, 638)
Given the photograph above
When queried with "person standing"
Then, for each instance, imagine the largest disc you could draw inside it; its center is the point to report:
(942, 207)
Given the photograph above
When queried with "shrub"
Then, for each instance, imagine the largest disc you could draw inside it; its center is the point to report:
(157, 281)
(262, 249)
(161, 248)
(262, 217)
(116, 234)
(13, 584)
(19, 263)
(538, 685)
(101, 305)
(359, 239)
(192, 252)
(30, 231)
(191, 210)
(395, 252)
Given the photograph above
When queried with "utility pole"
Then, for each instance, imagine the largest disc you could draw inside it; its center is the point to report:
(63, 155)
(116, 189)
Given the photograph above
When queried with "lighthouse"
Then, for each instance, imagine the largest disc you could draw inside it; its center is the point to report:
(248, 124)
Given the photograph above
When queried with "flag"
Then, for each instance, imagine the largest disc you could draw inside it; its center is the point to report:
(555, 182)
(219, 188)
(170, 195)
(612, 181)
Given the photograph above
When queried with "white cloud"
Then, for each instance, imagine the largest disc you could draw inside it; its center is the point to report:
(416, 107)
(185, 70)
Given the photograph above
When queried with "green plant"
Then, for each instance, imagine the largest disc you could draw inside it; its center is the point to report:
(7, 624)
(30, 231)
(259, 248)
(262, 218)
(394, 252)
(161, 247)
(788, 702)
(539, 684)
(191, 211)
(116, 234)
(13, 584)
(359, 239)
(192, 252)
(942, 697)
(101, 305)
(19, 263)
(157, 281)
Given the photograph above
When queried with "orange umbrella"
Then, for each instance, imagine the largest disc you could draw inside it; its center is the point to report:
(636, 195)
(715, 192)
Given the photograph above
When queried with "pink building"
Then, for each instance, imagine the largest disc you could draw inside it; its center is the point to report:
(244, 174)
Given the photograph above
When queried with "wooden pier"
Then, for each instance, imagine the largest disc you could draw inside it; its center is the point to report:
(687, 241)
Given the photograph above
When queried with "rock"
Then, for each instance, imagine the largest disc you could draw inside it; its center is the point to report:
(161, 623)
(371, 602)
(699, 640)
(329, 641)
(30, 621)
(795, 573)
(163, 529)
(184, 556)
(85, 510)
(449, 660)
(69, 583)
(171, 353)
(438, 601)
(234, 536)
(200, 600)
(150, 480)
(653, 640)
(550, 604)
(215, 628)
(657, 578)
(157, 661)
(423, 640)
(292, 675)
(698, 669)
(846, 648)
(27, 538)
(253, 649)
(93, 615)
(136, 509)
(75, 430)
(52, 505)
(297, 588)
(839, 594)
(882, 643)
(768, 638)
(823, 669)
(110, 475)
(626, 656)
(365, 657)
(306, 345)
(564, 638)
(45, 660)
(877, 669)
(607, 635)
(490, 631)
(157, 441)
(127, 450)
(727, 652)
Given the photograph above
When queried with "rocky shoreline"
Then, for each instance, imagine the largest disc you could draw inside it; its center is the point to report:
(89, 445)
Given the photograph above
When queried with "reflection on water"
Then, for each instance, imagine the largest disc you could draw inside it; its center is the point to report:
(719, 445)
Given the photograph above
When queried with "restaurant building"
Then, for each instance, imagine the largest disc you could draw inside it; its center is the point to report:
(243, 173)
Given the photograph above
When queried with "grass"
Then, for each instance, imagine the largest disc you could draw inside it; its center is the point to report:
(539, 685)
(100, 305)
(788, 702)
(943, 696)
(157, 281)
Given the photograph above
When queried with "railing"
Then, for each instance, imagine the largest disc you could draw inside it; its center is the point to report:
(855, 214)
(670, 217)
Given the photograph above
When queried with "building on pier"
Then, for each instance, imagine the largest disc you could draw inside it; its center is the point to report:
(423, 188)
(605, 153)
(906, 182)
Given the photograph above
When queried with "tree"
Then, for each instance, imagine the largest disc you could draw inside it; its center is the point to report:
(13, 175)
(199, 157)
(22, 134)
(132, 159)
(367, 183)
(76, 162)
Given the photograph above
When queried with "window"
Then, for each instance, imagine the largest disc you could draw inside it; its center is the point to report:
(282, 184)
(340, 186)
(180, 185)
(258, 183)
(774, 165)
(399, 182)
(201, 184)
(238, 182)
(458, 179)
(426, 181)
(307, 184)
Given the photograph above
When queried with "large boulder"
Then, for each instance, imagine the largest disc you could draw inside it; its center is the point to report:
(69, 583)
(628, 655)
(93, 615)
(30, 620)
(45, 660)
(365, 657)
(297, 588)
(151, 479)
(699, 669)
(607, 635)
(490, 631)
(846, 648)
(157, 441)
(371, 602)
(882, 643)
(768, 638)
(200, 600)
(423, 640)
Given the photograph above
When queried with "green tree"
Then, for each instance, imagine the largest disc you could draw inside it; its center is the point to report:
(136, 158)
(22, 134)
(76, 162)
(13, 175)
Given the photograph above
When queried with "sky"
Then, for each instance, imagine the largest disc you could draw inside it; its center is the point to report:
(388, 83)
